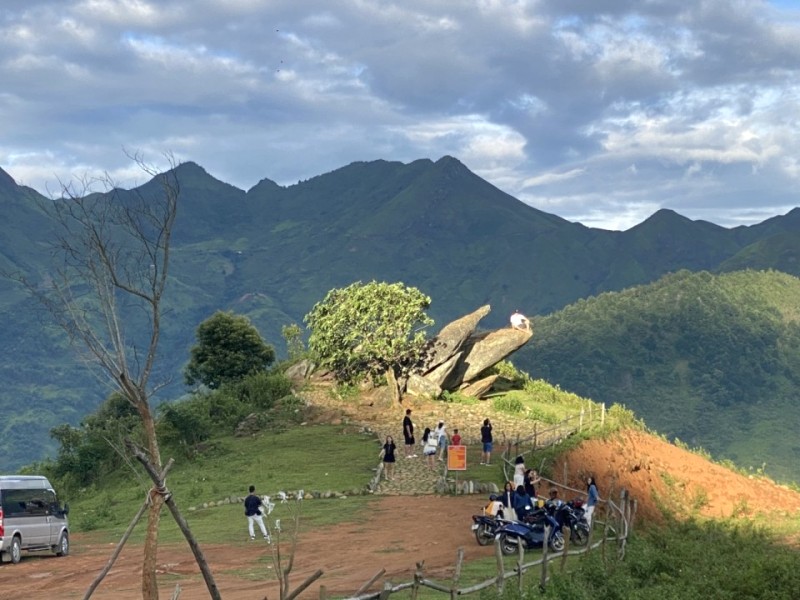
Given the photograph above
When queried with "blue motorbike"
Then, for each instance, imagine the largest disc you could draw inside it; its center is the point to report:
(531, 533)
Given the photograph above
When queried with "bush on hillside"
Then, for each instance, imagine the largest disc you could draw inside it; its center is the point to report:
(228, 349)
(366, 329)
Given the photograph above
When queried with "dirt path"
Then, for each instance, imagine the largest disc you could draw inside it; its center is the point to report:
(394, 536)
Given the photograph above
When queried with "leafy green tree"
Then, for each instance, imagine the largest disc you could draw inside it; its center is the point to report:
(368, 328)
(293, 335)
(228, 348)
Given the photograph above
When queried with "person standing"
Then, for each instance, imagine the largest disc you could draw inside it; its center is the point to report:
(442, 439)
(387, 454)
(531, 481)
(486, 440)
(456, 439)
(594, 496)
(252, 510)
(507, 499)
(429, 445)
(519, 472)
(408, 434)
(523, 504)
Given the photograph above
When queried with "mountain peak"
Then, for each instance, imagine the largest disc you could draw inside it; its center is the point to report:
(6, 181)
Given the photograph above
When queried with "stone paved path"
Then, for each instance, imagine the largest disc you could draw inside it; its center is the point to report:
(412, 475)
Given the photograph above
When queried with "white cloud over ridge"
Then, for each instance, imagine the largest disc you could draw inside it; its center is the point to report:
(600, 111)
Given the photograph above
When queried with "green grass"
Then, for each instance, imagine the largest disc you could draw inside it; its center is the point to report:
(313, 458)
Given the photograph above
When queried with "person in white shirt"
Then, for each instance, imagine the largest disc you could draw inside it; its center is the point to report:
(520, 321)
(442, 439)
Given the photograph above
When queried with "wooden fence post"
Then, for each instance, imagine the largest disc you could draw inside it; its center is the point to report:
(603, 413)
(323, 593)
(418, 577)
(501, 574)
(566, 547)
(457, 574)
(580, 422)
(386, 591)
(545, 549)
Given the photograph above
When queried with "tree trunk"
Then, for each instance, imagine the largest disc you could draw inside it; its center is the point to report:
(149, 561)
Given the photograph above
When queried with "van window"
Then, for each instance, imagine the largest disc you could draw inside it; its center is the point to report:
(26, 503)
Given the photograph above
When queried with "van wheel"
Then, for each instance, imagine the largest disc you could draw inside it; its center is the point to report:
(16, 550)
(63, 545)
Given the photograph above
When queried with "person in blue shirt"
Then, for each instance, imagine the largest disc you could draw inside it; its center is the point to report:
(523, 503)
(252, 510)
(594, 496)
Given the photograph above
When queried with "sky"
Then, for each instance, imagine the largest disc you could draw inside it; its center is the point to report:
(599, 111)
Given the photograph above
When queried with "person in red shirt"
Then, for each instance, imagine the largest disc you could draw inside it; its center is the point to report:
(455, 439)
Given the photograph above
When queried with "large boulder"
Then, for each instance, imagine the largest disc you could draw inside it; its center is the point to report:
(477, 389)
(481, 351)
(450, 339)
(438, 375)
(417, 385)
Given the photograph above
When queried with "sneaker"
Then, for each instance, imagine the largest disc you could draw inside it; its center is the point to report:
(483, 463)
(252, 537)
(413, 456)
(267, 539)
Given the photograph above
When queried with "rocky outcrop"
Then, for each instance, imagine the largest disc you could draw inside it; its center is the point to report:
(458, 354)
(479, 388)
(451, 337)
(484, 350)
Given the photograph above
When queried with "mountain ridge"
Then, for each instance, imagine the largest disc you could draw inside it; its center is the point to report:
(272, 252)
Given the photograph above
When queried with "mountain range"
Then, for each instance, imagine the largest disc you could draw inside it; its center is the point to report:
(272, 252)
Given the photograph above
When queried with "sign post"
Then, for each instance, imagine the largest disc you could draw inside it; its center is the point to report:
(456, 460)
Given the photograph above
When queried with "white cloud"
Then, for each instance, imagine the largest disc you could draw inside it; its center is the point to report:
(599, 111)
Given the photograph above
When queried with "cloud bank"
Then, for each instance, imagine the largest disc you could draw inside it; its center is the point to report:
(600, 111)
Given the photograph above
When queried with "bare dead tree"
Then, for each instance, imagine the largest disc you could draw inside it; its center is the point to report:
(112, 254)
(283, 562)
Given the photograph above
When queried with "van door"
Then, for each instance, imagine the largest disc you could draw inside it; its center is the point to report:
(55, 517)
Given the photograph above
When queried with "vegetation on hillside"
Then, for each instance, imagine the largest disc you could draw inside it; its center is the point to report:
(228, 348)
(270, 253)
(366, 329)
(713, 360)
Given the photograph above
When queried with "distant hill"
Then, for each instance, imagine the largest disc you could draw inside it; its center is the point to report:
(271, 252)
(713, 360)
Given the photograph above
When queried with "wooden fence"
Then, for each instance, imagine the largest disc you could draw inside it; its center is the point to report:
(616, 529)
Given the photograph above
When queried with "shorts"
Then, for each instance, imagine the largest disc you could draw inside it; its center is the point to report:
(443, 442)
(487, 446)
(409, 440)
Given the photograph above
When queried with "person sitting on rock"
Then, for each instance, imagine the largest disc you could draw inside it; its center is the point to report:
(520, 321)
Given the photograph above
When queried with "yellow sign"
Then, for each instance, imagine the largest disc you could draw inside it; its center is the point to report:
(456, 458)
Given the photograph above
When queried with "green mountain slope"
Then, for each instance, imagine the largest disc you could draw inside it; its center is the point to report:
(271, 252)
(711, 359)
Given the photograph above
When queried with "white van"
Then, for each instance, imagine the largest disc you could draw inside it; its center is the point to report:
(31, 517)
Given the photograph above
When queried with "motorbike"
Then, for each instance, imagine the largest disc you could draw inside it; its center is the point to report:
(531, 532)
(485, 525)
(485, 528)
(570, 514)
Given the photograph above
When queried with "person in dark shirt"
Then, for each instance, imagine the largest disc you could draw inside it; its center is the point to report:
(408, 434)
(387, 454)
(252, 510)
(486, 440)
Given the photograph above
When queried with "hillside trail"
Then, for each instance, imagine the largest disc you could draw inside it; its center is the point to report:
(406, 523)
